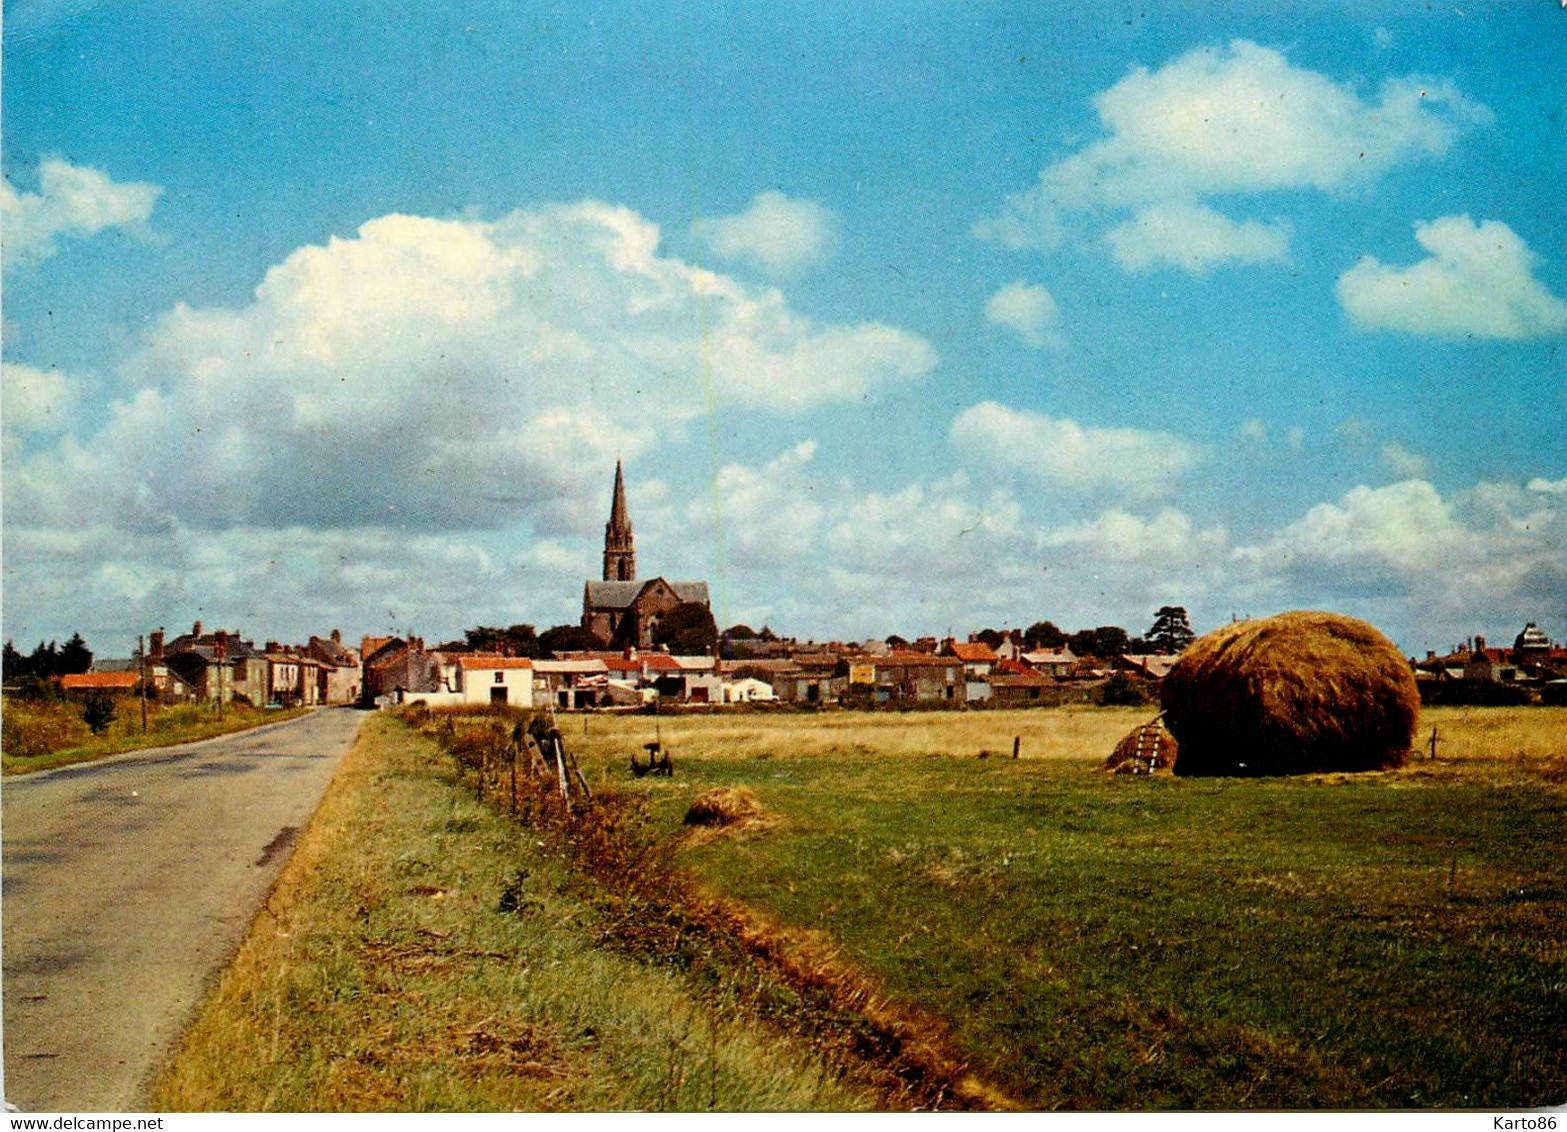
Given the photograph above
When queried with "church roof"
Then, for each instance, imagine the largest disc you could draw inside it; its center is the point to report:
(619, 595)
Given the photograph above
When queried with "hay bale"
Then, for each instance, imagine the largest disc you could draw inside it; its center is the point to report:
(726, 806)
(1148, 749)
(1294, 694)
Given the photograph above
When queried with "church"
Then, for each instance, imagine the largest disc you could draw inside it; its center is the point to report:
(621, 610)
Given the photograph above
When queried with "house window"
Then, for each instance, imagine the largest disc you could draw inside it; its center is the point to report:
(500, 677)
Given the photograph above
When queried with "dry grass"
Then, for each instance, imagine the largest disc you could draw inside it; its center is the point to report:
(39, 735)
(1053, 733)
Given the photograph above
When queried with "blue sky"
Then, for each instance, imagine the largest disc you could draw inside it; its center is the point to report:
(904, 318)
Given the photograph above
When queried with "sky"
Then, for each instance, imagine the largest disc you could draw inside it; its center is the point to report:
(910, 318)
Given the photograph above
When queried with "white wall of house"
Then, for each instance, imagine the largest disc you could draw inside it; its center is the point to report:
(748, 691)
(491, 682)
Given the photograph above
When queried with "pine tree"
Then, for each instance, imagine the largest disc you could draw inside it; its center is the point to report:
(75, 656)
(1171, 631)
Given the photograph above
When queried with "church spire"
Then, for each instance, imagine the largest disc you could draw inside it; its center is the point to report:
(620, 555)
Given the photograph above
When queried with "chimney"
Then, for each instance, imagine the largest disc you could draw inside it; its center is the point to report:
(196, 630)
(1430, 654)
(273, 646)
(155, 640)
(1479, 643)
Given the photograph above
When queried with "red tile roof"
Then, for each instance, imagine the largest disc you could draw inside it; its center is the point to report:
(472, 661)
(977, 651)
(112, 681)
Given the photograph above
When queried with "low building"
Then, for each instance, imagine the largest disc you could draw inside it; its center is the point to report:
(1051, 662)
(979, 660)
(494, 680)
(112, 683)
(907, 677)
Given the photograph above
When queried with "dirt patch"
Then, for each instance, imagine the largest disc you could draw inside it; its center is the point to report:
(283, 842)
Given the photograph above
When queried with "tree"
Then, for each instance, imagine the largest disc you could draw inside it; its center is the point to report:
(897, 642)
(75, 657)
(45, 662)
(688, 629)
(1043, 635)
(567, 638)
(1171, 631)
(1107, 640)
(98, 712)
(519, 640)
(989, 637)
(740, 632)
(13, 665)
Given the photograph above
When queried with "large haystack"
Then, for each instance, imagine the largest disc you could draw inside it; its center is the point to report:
(1292, 694)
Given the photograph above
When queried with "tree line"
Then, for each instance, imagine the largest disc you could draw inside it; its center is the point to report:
(46, 661)
(1170, 632)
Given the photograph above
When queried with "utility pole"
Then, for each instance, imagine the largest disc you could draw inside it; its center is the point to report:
(141, 666)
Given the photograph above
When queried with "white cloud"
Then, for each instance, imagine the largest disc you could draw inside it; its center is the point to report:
(1477, 282)
(1167, 539)
(1195, 239)
(1227, 121)
(35, 400)
(1253, 431)
(1551, 487)
(1404, 463)
(1066, 454)
(1030, 311)
(72, 200)
(443, 374)
(780, 234)
(1493, 553)
(772, 514)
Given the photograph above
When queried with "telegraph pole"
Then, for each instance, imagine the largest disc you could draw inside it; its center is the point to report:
(141, 666)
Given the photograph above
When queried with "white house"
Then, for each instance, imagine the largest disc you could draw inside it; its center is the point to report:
(748, 691)
(494, 680)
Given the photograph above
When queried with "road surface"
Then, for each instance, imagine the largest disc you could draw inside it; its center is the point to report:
(127, 886)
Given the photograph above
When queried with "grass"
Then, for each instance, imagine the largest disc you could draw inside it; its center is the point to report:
(422, 953)
(41, 734)
(1383, 940)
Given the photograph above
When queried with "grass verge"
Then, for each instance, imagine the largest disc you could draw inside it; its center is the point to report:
(420, 953)
(43, 735)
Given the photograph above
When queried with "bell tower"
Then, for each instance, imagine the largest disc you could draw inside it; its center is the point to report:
(620, 555)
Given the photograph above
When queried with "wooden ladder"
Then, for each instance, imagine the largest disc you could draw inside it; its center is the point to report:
(1145, 759)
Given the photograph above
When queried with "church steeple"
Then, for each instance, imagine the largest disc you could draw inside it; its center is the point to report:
(620, 555)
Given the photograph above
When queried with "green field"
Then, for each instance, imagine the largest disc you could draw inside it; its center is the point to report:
(1385, 940)
(920, 920)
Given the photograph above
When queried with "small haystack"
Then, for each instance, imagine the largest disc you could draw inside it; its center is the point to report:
(1294, 694)
(727, 806)
(1149, 749)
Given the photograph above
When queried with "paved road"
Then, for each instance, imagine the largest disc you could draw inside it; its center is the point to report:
(127, 885)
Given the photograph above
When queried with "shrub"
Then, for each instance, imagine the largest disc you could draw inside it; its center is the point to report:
(98, 712)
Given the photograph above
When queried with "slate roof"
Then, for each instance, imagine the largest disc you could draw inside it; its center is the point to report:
(619, 595)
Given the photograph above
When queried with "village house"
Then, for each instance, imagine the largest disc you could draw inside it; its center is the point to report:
(216, 666)
(111, 683)
(339, 672)
(908, 677)
(979, 660)
(393, 667)
(1015, 684)
(1051, 662)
